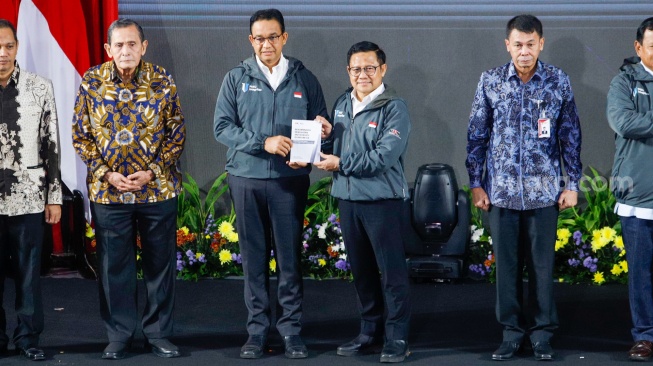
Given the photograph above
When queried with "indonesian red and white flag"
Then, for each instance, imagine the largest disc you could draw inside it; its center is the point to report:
(52, 42)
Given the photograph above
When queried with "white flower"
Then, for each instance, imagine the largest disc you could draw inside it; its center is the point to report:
(343, 256)
(472, 228)
(490, 240)
(335, 247)
(476, 235)
(321, 233)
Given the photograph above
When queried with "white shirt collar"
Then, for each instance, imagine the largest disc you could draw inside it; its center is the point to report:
(359, 106)
(646, 68)
(278, 72)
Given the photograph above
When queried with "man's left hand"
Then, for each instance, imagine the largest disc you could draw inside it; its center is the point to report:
(331, 163)
(52, 214)
(296, 164)
(567, 199)
(141, 178)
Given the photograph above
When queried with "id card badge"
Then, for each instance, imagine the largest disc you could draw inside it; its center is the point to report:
(544, 128)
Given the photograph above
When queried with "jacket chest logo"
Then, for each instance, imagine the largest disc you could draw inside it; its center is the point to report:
(372, 124)
(639, 91)
(339, 114)
(248, 87)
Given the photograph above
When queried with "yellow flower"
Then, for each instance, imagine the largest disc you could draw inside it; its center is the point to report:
(561, 280)
(560, 244)
(225, 228)
(185, 230)
(273, 265)
(321, 262)
(89, 231)
(198, 255)
(608, 233)
(624, 266)
(564, 234)
(599, 240)
(207, 236)
(622, 253)
(616, 270)
(232, 237)
(598, 278)
(619, 242)
(224, 256)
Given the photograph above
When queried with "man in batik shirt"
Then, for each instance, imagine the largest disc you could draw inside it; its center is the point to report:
(30, 188)
(523, 120)
(129, 130)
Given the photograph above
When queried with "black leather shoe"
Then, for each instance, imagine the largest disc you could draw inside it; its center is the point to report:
(254, 347)
(163, 348)
(360, 344)
(543, 351)
(641, 351)
(295, 347)
(31, 353)
(114, 351)
(506, 350)
(394, 351)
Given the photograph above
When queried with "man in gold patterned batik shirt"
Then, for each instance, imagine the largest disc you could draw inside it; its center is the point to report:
(129, 129)
(30, 189)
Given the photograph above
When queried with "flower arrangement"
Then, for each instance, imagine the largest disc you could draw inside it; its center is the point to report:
(207, 244)
(323, 255)
(588, 249)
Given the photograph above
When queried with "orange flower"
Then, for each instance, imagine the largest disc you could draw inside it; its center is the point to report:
(215, 247)
(183, 238)
(331, 252)
(217, 236)
(223, 241)
(306, 222)
(488, 262)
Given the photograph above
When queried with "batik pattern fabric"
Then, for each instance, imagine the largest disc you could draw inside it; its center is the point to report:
(129, 126)
(30, 172)
(505, 155)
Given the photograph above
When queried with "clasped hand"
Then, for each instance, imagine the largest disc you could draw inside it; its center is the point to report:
(130, 183)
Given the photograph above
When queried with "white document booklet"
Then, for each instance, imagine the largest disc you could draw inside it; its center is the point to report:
(306, 141)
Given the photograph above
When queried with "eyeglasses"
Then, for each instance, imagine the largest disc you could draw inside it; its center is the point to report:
(356, 71)
(261, 40)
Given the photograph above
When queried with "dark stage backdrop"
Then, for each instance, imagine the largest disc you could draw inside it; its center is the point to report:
(436, 51)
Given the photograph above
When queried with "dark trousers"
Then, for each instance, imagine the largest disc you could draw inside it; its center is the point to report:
(375, 249)
(638, 239)
(114, 232)
(21, 237)
(518, 238)
(270, 215)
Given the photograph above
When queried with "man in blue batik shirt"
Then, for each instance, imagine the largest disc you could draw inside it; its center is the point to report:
(523, 120)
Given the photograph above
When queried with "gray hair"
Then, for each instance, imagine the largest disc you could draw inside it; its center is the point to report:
(124, 23)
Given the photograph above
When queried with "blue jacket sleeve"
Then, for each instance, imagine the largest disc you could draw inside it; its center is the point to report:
(569, 135)
(478, 134)
(622, 113)
(226, 124)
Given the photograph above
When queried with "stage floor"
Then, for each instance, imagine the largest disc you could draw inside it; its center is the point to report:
(452, 324)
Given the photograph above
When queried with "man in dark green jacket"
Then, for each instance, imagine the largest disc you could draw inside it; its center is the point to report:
(253, 117)
(630, 115)
(370, 136)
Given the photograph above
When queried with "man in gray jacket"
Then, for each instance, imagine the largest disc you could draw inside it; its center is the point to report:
(253, 117)
(370, 136)
(630, 115)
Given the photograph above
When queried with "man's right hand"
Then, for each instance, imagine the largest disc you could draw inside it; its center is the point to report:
(278, 145)
(480, 198)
